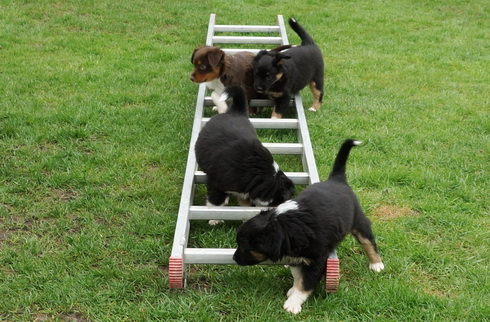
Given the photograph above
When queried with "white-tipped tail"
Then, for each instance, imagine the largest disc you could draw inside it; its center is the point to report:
(357, 142)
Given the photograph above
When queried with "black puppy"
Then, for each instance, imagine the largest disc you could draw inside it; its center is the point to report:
(281, 74)
(304, 231)
(236, 162)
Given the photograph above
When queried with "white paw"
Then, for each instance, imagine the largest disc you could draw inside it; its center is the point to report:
(292, 307)
(312, 109)
(214, 222)
(295, 299)
(377, 267)
(220, 109)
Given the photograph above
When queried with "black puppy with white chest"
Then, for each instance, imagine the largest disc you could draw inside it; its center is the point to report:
(281, 74)
(235, 161)
(302, 232)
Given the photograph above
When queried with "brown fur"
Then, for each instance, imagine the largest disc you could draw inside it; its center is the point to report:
(212, 62)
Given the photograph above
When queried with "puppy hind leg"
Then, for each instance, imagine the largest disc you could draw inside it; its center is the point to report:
(317, 91)
(243, 202)
(365, 237)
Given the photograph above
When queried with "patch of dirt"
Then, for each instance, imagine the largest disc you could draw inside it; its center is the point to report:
(73, 317)
(64, 195)
(69, 317)
(4, 235)
(390, 212)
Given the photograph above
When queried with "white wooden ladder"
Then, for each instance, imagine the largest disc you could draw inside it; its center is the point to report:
(182, 255)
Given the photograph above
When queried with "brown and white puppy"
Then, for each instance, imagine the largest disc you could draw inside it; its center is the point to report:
(219, 70)
(280, 75)
(302, 232)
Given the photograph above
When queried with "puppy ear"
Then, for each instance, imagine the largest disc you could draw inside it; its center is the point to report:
(215, 56)
(275, 244)
(194, 52)
(285, 185)
(280, 57)
(261, 53)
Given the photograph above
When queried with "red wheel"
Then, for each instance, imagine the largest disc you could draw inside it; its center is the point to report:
(332, 275)
(175, 272)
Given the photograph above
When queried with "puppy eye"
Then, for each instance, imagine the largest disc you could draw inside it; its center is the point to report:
(202, 67)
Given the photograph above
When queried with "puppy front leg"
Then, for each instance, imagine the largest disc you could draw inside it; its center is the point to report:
(281, 105)
(296, 294)
(220, 106)
(216, 198)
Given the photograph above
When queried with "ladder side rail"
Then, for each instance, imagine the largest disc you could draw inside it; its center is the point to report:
(212, 23)
(182, 225)
(309, 163)
(282, 30)
(176, 262)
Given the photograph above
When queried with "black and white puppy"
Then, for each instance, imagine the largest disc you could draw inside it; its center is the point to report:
(235, 161)
(302, 232)
(281, 74)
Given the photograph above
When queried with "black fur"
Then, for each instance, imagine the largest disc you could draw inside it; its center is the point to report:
(324, 214)
(235, 161)
(281, 74)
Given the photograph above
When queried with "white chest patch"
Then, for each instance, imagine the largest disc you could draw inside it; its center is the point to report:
(216, 85)
(286, 206)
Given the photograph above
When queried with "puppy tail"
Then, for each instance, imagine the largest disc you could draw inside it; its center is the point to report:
(239, 103)
(305, 37)
(338, 169)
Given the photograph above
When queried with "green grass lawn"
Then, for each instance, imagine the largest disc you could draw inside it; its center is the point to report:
(96, 111)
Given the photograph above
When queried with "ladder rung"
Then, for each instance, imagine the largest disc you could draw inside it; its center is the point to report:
(246, 40)
(216, 256)
(244, 28)
(296, 177)
(284, 148)
(262, 123)
(223, 213)
(209, 255)
(233, 51)
(208, 101)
